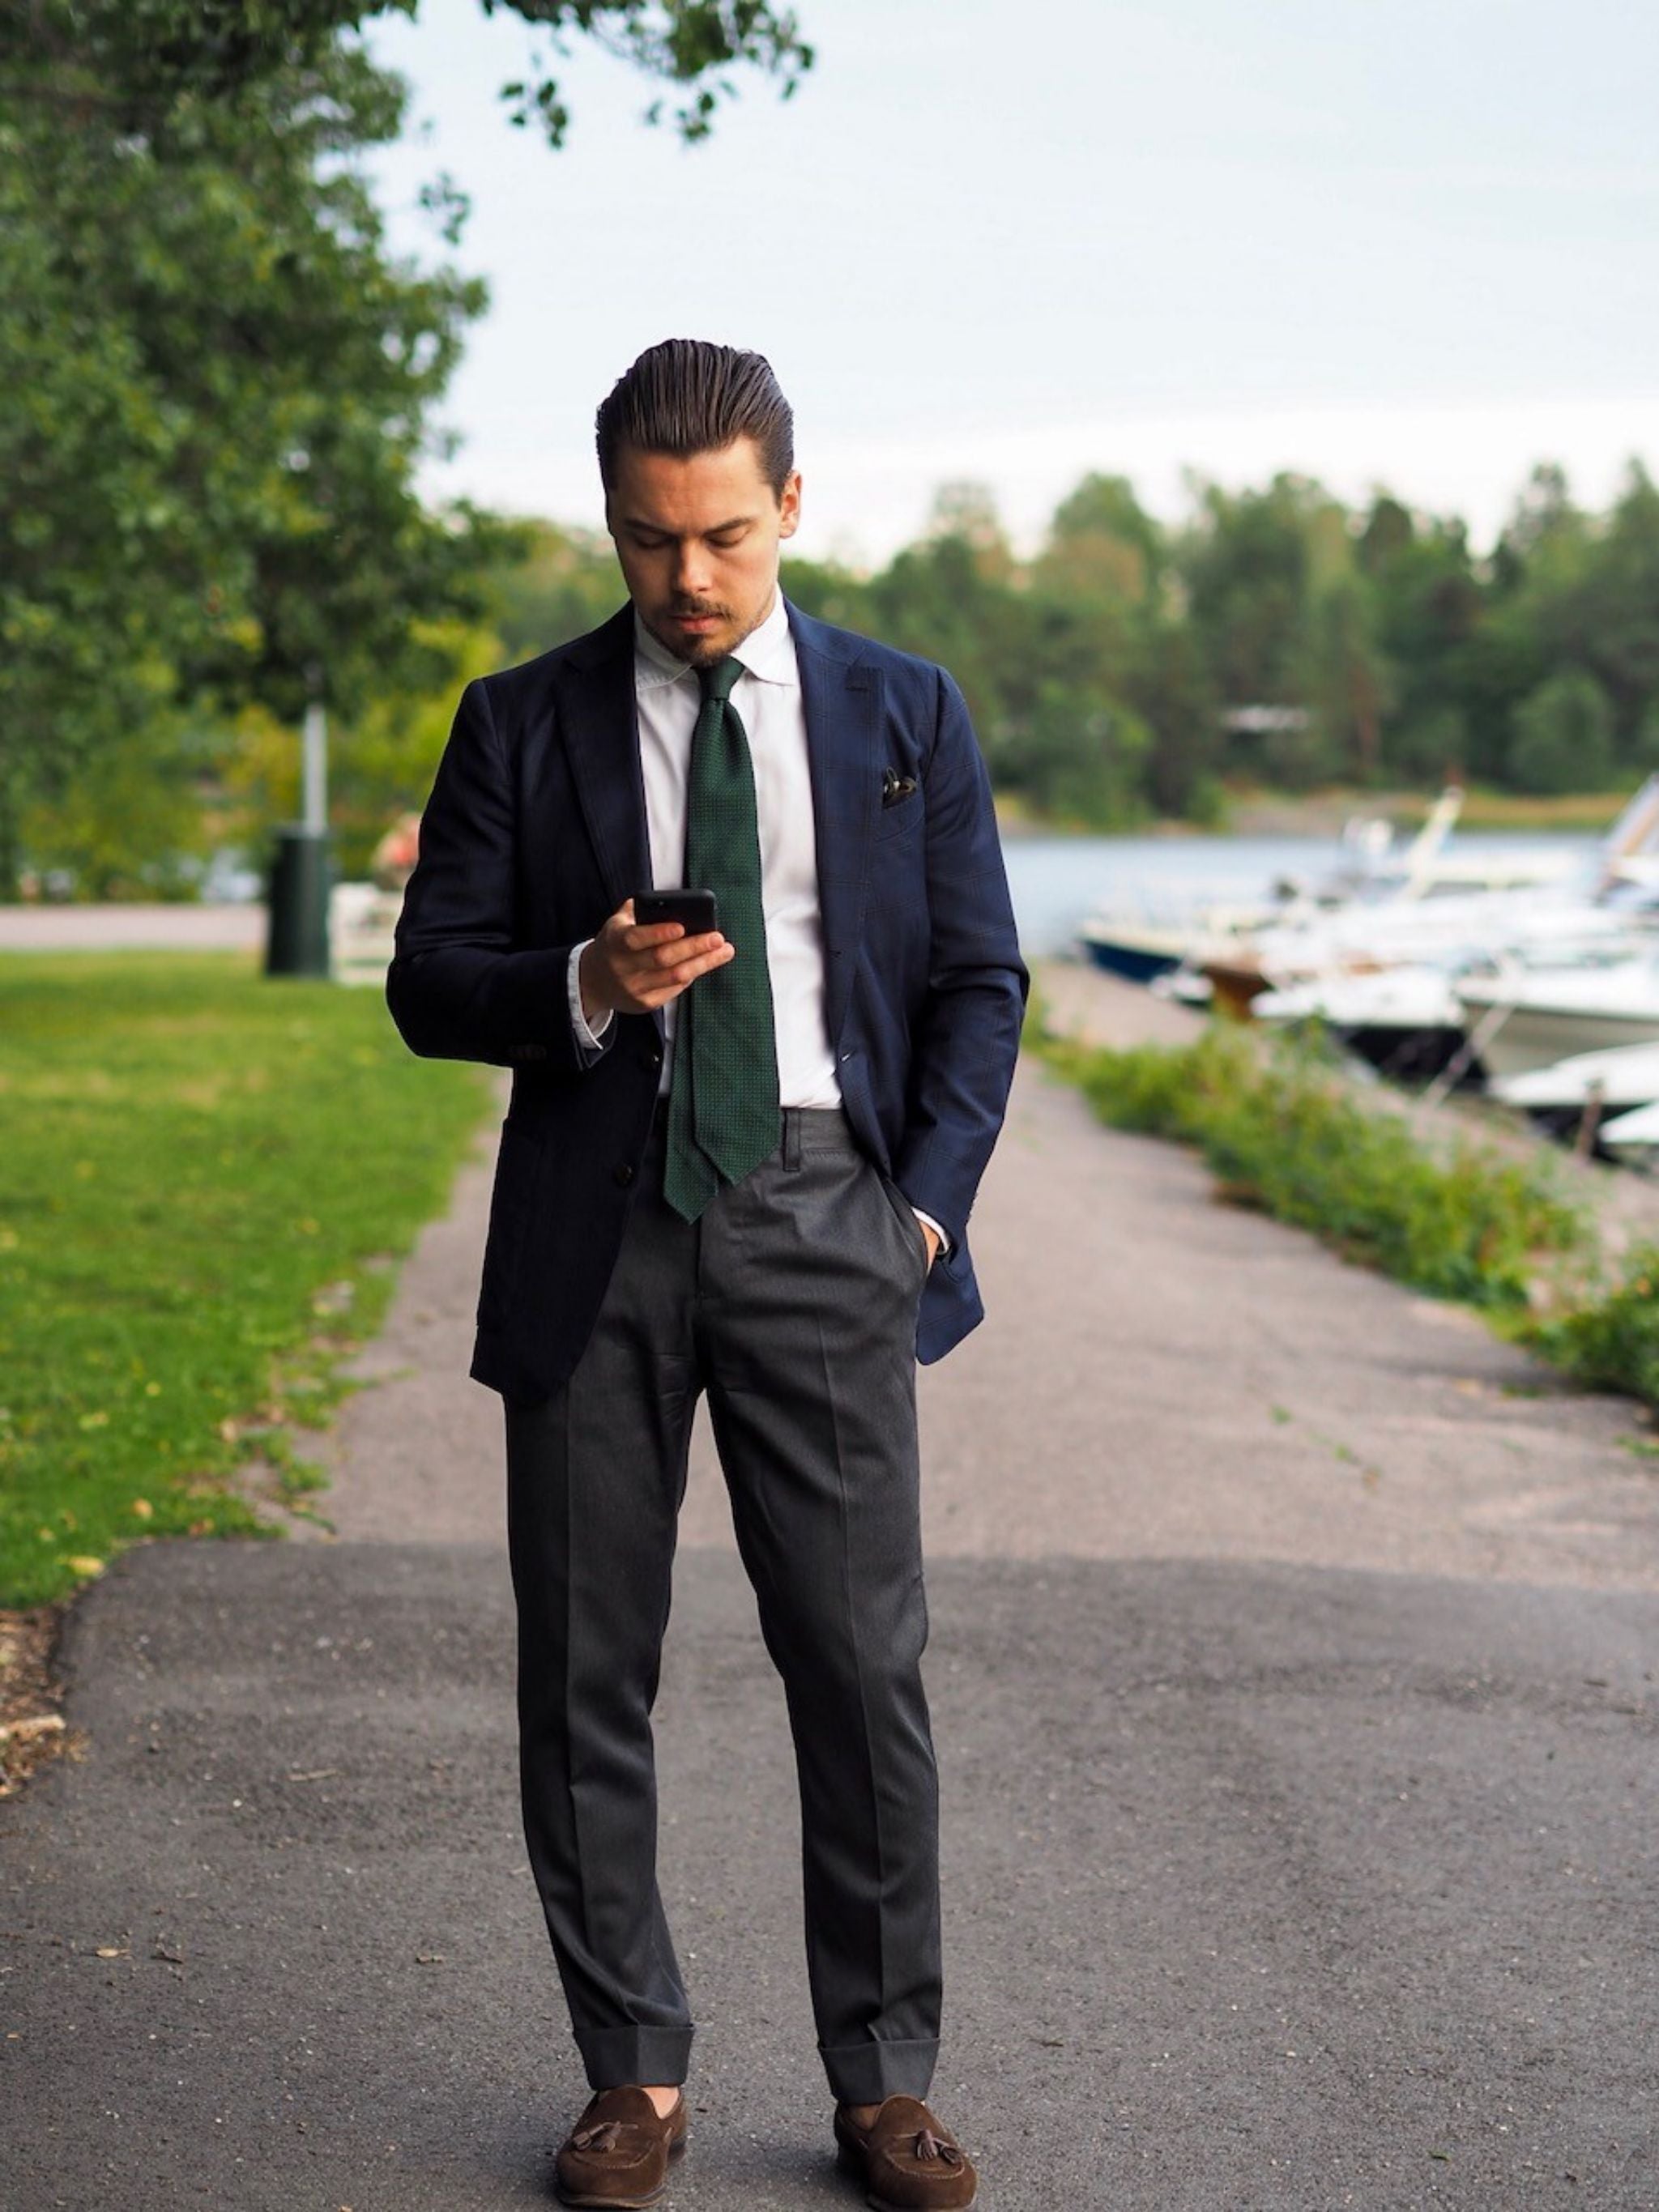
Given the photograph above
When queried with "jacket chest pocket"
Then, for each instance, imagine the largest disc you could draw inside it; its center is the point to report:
(900, 821)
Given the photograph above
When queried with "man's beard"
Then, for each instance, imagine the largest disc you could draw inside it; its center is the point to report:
(702, 652)
(691, 649)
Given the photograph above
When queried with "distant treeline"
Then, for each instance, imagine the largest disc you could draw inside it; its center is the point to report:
(1275, 635)
(1128, 670)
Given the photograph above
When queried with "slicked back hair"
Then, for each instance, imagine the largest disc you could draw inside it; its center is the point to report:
(685, 397)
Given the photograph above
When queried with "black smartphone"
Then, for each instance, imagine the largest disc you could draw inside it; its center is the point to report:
(696, 910)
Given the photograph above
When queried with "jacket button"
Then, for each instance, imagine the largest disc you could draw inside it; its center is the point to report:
(650, 1057)
(622, 1175)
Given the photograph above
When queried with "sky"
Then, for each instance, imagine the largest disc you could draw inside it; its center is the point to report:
(1403, 242)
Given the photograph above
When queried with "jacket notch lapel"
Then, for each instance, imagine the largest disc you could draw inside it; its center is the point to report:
(599, 719)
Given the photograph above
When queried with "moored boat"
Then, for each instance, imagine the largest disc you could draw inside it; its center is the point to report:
(1531, 1018)
(1621, 1076)
(1406, 1022)
(1637, 1131)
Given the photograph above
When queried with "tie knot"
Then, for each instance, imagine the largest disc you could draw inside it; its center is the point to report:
(715, 682)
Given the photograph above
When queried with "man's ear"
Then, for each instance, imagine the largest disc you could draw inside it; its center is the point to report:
(789, 505)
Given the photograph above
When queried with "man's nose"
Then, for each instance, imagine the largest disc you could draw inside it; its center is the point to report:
(692, 578)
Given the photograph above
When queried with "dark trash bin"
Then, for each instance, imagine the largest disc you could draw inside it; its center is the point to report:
(301, 878)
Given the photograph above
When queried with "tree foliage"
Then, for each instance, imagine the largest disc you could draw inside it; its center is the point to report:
(146, 61)
(1563, 737)
(1106, 671)
(218, 385)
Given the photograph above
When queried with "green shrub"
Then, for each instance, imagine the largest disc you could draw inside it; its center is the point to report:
(1611, 1342)
(1285, 1131)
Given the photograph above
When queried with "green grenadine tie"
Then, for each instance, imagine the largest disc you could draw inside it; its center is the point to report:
(723, 1117)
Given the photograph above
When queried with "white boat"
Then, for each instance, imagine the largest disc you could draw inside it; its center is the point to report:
(1427, 903)
(1413, 1020)
(1623, 1076)
(1407, 1021)
(1381, 964)
(1143, 939)
(1604, 910)
(1531, 1018)
(1637, 1131)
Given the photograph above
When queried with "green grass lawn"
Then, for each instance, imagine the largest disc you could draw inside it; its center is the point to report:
(204, 1179)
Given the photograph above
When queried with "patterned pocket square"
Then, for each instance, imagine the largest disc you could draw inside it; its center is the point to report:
(895, 787)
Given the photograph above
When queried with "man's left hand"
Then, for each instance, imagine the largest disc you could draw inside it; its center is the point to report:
(932, 1240)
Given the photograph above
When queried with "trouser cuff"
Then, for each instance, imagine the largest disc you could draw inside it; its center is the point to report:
(631, 2058)
(870, 2073)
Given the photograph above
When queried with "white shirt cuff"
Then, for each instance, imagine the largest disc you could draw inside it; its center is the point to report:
(589, 1037)
(929, 1222)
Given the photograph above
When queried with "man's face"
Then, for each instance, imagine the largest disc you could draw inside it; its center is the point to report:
(698, 539)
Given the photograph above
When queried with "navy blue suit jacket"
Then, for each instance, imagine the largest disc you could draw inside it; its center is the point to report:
(536, 831)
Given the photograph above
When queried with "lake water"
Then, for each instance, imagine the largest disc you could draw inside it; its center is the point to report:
(1057, 882)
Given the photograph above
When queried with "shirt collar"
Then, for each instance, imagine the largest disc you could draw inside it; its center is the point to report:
(767, 653)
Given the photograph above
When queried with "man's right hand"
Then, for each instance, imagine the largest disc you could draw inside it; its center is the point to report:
(633, 967)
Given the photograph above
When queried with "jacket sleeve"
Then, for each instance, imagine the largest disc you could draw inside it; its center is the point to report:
(457, 987)
(966, 1041)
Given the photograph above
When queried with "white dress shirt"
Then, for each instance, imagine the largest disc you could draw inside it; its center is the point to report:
(767, 698)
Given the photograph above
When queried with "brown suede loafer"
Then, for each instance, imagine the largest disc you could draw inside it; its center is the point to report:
(617, 2153)
(905, 2160)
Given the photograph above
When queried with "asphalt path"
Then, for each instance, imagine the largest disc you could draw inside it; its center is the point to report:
(1293, 1662)
(137, 928)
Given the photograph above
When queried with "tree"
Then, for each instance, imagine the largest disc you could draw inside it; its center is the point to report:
(1102, 579)
(1282, 618)
(1077, 756)
(130, 823)
(558, 584)
(1563, 735)
(1602, 611)
(1434, 747)
(218, 386)
(146, 60)
(1428, 613)
(1174, 692)
(1346, 680)
(1245, 566)
(219, 391)
(384, 756)
(830, 591)
(951, 596)
(1544, 527)
(1101, 532)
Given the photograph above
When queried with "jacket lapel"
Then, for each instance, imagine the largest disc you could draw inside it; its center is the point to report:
(599, 722)
(841, 697)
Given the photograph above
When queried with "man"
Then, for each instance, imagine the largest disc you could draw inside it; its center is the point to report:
(740, 1159)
